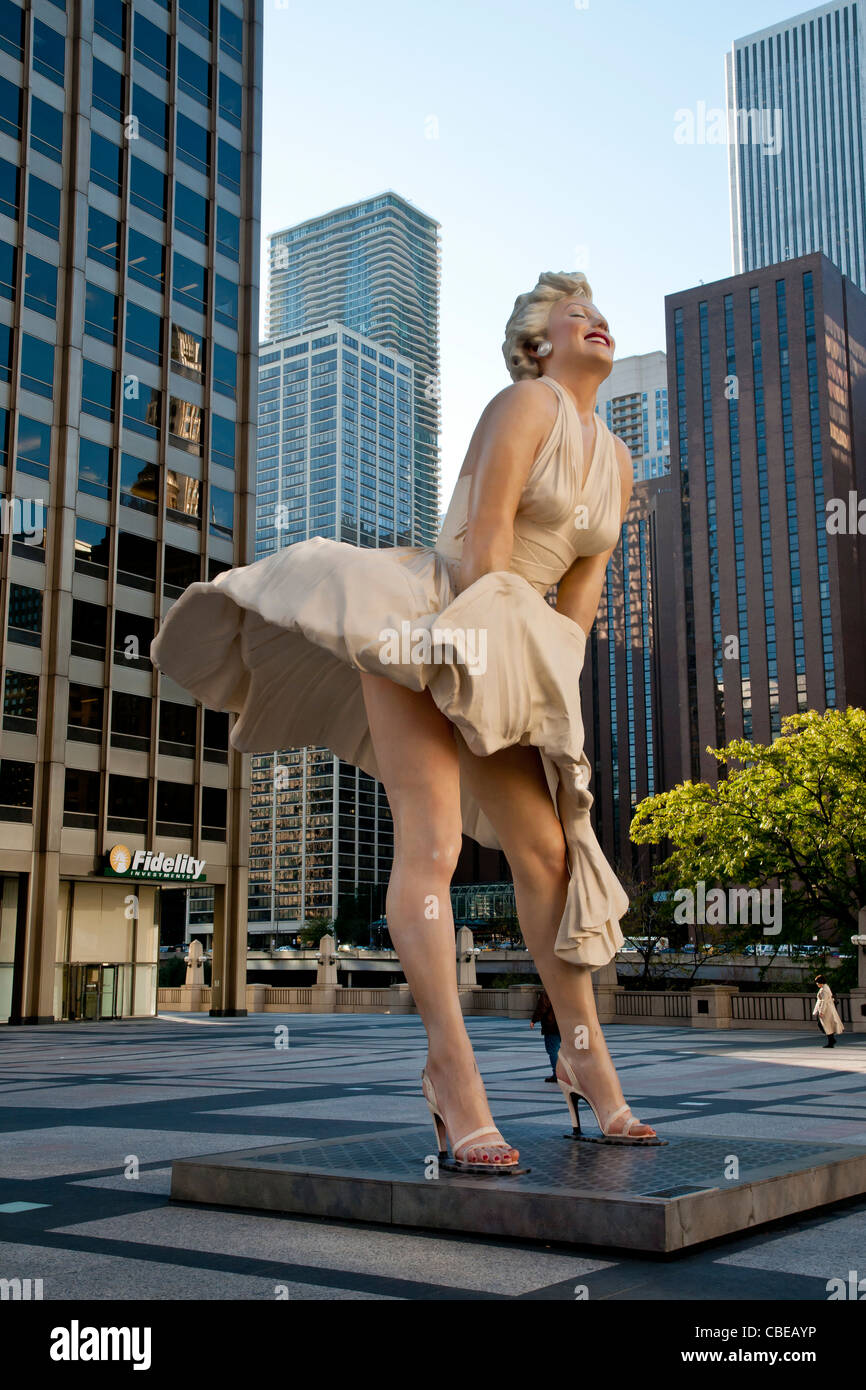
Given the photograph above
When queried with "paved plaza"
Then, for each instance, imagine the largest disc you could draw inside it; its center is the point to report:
(93, 1115)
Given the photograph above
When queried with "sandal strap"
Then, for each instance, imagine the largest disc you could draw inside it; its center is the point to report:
(623, 1110)
(476, 1134)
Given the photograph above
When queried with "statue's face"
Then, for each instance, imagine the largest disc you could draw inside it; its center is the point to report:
(580, 335)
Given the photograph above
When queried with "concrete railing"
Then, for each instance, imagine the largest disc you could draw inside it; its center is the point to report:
(704, 1006)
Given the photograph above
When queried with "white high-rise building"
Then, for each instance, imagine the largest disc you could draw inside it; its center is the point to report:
(796, 98)
(633, 402)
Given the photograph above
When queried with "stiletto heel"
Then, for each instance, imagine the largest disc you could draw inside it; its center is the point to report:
(490, 1166)
(572, 1092)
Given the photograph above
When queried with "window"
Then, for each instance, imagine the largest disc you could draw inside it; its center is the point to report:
(37, 365)
(213, 813)
(193, 144)
(94, 468)
(130, 721)
(136, 568)
(197, 14)
(106, 163)
(46, 129)
(109, 20)
(133, 635)
(176, 729)
(81, 798)
(108, 90)
(187, 352)
(16, 790)
(228, 166)
(225, 301)
(146, 260)
(181, 569)
(184, 424)
(84, 716)
(230, 98)
(231, 34)
(225, 370)
(143, 333)
(222, 440)
(92, 548)
(12, 29)
(151, 46)
(190, 212)
(182, 497)
(7, 270)
(25, 615)
(20, 702)
(97, 390)
(148, 188)
(139, 484)
(152, 115)
(103, 238)
(222, 510)
(190, 283)
(88, 630)
(100, 313)
(4, 438)
(11, 108)
(174, 807)
(40, 286)
(193, 75)
(43, 208)
(228, 233)
(127, 804)
(142, 410)
(49, 50)
(10, 184)
(216, 736)
(34, 447)
(6, 344)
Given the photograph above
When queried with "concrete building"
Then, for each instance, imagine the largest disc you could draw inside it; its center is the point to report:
(796, 107)
(129, 239)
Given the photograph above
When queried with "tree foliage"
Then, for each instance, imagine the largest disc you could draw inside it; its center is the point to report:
(793, 814)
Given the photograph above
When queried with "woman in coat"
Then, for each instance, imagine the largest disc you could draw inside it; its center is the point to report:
(825, 1012)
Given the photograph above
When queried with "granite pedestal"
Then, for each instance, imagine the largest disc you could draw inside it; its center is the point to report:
(654, 1199)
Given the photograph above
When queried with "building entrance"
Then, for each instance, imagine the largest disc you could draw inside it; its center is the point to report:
(91, 993)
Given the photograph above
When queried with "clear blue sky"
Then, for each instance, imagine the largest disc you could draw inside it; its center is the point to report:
(555, 132)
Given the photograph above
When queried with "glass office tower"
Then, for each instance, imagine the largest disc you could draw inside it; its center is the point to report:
(633, 402)
(373, 266)
(129, 232)
(335, 459)
(796, 97)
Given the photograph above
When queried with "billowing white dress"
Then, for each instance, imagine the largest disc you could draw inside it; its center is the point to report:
(282, 642)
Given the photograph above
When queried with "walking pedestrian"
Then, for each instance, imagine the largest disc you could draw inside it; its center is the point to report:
(824, 1011)
(549, 1031)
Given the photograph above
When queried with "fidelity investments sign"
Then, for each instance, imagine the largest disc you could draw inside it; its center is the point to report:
(122, 863)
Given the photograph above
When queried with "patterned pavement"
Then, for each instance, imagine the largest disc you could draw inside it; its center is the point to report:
(91, 1117)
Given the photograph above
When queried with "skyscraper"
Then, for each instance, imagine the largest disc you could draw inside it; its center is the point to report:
(633, 402)
(335, 459)
(374, 267)
(768, 448)
(129, 228)
(796, 97)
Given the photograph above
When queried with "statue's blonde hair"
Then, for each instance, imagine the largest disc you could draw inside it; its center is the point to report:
(527, 323)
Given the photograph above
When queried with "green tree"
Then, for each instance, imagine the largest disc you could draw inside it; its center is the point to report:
(792, 814)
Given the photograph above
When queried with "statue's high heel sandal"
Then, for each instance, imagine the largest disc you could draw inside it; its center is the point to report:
(493, 1164)
(571, 1090)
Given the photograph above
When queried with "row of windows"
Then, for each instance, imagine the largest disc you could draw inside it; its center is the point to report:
(127, 802)
(130, 718)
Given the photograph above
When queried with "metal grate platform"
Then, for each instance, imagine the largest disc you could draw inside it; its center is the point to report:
(658, 1199)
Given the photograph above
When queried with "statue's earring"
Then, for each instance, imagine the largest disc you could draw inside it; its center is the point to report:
(543, 349)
